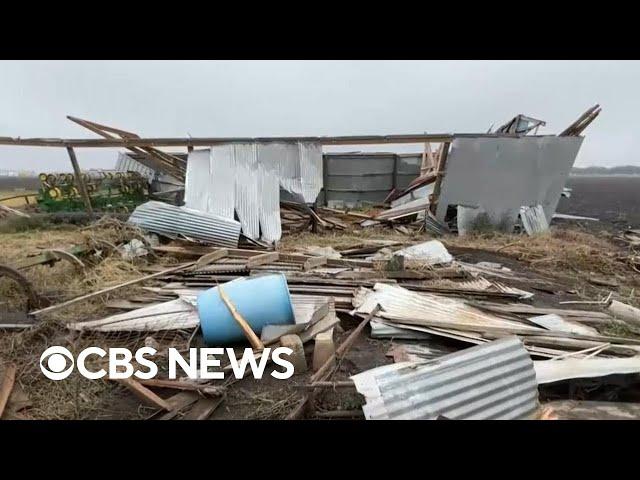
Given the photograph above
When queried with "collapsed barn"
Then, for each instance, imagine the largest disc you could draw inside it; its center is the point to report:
(218, 271)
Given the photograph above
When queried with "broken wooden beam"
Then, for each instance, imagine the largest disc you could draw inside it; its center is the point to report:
(210, 258)
(82, 186)
(262, 259)
(110, 289)
(314, 263)
(255, 342)
(144, 394)
(182, 385)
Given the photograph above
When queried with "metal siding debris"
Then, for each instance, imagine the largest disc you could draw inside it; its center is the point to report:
(400, 305)
(432, 252)
(502, 174)
(557, 323)
(172, 315)
(548, 371)
(566, 216)
(269, 208)
(174, 222)
(380, 329)
(245, 178)
(491, 381)
(533, 220)
(125, 163)
(247, 199)
(311, 308)
(419, 193)
(198, 181)
(410, 208)
(310, 155)
(210, 181)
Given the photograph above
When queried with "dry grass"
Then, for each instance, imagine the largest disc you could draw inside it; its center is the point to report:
(76, 397)
(340, 239)
(18, 201)
(560, 252)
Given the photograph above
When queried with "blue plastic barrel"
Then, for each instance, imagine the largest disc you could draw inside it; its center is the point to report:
(261, 301)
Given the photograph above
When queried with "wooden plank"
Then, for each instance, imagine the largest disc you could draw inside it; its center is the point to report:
(208, 141)
(179, 402)
(110, 289)
(144, 394)
(314, 262)
(210, 258)
(331, 364)
(203, 408)
(263, 259)
(182, 385)
(527, 310)
(244, 325)
(82, 187)
(440, 168)
(7, 386)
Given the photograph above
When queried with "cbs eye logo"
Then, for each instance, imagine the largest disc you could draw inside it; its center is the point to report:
(56, 363)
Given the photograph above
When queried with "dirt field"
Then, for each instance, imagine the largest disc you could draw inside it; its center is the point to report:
(11, 186)
(615, 200)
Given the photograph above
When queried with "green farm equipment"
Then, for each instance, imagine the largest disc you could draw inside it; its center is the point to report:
(108, 191)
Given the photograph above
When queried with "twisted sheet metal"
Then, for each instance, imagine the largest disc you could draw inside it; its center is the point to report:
(496, 380)
(533, 220)
(401, 305)
(245, 178)
(125, 163)
(172, 315)
(174, 222)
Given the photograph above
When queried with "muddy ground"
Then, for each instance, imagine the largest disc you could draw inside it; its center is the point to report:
(615, 200)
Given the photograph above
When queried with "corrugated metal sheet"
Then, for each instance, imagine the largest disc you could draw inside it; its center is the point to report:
(533, 220)
(356, 178)
(310, 158)
(403, 306)
(496, 381)
(245, 178)
(247, 198)
(172, 315)
(479, 285)
(311, 308)
(174, 222)
(269, 212)
(197, 185)
(125, 163)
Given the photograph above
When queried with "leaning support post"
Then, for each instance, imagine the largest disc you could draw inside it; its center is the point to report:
(440, 168)
(80, 180)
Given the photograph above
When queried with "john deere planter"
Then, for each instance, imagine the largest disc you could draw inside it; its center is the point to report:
(108, 191)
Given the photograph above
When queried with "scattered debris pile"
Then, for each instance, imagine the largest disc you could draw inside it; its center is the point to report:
(385, 328)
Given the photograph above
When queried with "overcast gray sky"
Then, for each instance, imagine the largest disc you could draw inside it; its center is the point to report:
(273, 98)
